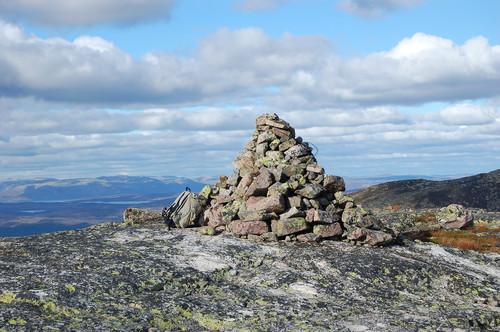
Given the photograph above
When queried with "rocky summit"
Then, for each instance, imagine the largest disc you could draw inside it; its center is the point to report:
(278, 190)
(134, 276)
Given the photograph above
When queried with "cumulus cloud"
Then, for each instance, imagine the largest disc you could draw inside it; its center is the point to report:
(247, 66)
(375, 8)
(420, 69)
(86, 12)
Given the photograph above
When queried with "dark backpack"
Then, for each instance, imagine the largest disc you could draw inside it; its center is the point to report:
(184, 211)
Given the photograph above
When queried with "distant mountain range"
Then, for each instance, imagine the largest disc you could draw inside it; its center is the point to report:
(479, 191)
(91, 188)
(35, 206)
(31, 206)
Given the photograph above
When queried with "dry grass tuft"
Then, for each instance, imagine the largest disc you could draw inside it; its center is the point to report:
(479, 238)
(426, 218)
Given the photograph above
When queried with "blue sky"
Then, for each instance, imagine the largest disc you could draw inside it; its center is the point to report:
(173, 87)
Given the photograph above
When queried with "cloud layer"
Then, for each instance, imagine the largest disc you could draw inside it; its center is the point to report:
(87, 105)
(56, 13)
(290, 71)
(375, 8)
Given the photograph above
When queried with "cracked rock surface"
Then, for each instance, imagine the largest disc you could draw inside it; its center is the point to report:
(141, 277)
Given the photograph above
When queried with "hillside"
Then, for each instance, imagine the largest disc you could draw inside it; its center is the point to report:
(141, 277)
(480, 191)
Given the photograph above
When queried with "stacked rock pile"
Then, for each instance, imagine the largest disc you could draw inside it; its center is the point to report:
(279, 191)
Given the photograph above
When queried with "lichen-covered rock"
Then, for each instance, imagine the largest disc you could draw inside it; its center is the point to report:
(206, 230)
(455, 216)
(206, 192)
(229, 211)
(280, 188)
(288, 226)
(310, 190)
(327, 231)
(325, 217)
(141, 215)
(140, 277)
(256, 227)
(213, 217)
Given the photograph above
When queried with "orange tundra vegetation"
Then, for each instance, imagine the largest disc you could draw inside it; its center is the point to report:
(478, 238)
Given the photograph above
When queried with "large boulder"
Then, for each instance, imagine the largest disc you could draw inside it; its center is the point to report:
(455, 216)
(141, 215)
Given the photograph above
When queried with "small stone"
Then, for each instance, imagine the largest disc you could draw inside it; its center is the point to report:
(265, 137)
(315, 168)
(291, 213)
(274, 144)
(213, 216)
(296, 151)
(284, 133)
(325, 217)
(492, 301)
(254, 199)
(296, 201)
(208, 231)
(310, 215)
(242, 187)
(260, 184)
(255, 238)
(310, 190)
(261, 149)
(256, 215)
(233, 179)
(269, 237)
(287, 144)
(309, 237)
(378, 238)
(333, 183)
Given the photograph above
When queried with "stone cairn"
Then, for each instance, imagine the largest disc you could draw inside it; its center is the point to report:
(279, 191)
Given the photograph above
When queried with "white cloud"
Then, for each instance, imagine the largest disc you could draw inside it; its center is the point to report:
(247, 66)
(375, 8)
(419, 69)
(87, 12)
(259, 5)
(465, 115)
